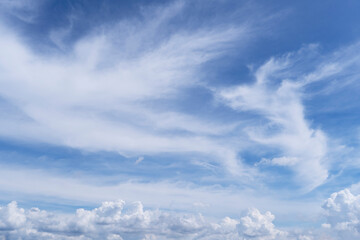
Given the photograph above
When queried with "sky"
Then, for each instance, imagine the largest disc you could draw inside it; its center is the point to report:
(144, 120)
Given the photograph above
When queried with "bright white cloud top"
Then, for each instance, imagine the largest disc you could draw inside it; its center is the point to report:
(207, 119)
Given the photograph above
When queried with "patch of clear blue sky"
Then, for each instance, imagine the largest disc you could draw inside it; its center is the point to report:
(328, 23)
(303, 22)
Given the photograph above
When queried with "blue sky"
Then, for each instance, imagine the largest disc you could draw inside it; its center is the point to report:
(189, 107)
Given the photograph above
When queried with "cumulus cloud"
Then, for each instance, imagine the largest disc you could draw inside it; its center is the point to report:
(259, 226)
(342, 212)
(117, 220)
(120, 220)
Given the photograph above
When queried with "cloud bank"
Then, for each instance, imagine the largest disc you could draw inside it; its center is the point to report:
(121, 220)
(118, 220)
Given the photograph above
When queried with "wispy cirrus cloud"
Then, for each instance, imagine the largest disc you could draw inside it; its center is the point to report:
(23, 9)
(177, 195)
(279, 102)
(109, 92)
(281, 86)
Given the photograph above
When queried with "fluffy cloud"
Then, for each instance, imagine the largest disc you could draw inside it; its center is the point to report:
(342, 211)
(259, 226)
(117, 220)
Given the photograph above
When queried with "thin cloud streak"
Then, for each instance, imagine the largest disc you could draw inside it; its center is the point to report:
(179, 195)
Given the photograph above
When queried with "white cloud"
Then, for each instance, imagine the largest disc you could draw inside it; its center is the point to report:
(112, 220)
(278, 100)
(342, 212)
(121, 220)
(259, 226)
(117, 220)
(277, 96)
(11, 217)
